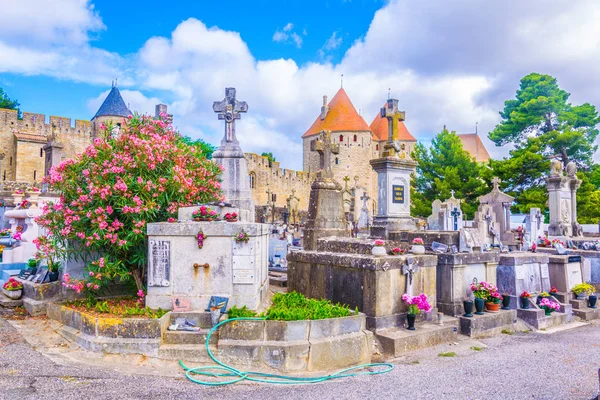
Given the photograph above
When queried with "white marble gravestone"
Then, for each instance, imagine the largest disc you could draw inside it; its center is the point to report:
(565, 271)
(533, 224)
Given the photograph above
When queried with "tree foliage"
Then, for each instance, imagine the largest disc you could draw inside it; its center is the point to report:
(116, 187)
(270, 157)
(541, 124)
(206, 148)
(443, 167)
(6, 102)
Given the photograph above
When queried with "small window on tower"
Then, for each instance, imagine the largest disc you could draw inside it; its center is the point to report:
(377, 147)
(34, 175)
(41, 152)
(274, 197)
(10, 161)
(355, 138)
(4, 178)
(252, 180)
(341, 138)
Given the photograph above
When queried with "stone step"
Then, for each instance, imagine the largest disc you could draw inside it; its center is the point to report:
(579, 304)
(538, 320)
(183, 337)
(9, 303)
(398, 341)
(37, 307)
(200, 318)
(278, 280)
(488, 324)
(587, 314)
(8, 273)
(185, 352)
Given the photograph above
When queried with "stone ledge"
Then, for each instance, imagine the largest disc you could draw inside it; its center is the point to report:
(359, 261)
(459, 259)
(487, 325)
(9, 303)
(511, 259)
(147, 347)
(216, 229)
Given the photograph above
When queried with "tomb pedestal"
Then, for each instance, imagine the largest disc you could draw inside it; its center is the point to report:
(178, 269)
(565, 272)
(325, 213)
(519, 272)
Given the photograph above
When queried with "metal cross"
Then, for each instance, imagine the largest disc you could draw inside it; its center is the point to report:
(325, 147)
(455, 213)
(229, 109)
(390, 111)
(408, 269)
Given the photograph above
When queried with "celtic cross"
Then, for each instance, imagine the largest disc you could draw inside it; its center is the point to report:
(325, 147)
(229, 110)
(393, 115)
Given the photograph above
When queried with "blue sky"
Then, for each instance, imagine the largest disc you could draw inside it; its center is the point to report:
(448, 63)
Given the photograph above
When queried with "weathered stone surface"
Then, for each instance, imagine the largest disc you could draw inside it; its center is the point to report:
(488, 324)
(9, 303)
(45, 291)
(285, 356)
(325, 213)
(537, 319)
(182, 337)
(286, 330)
(240, 352)
(186, 352)
(243, 330)
(148, 347)
(396, 342)
(447, 238)
(339, 352)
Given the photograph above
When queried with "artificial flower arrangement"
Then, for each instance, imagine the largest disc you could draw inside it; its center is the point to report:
(553, 290)
(2, 249)
(544, 241)
(583, 288)
(557, 241)
(525, 295)
(544, 294)
(12, 285)
(494, 298)
(18, 192)
(200, 237)
(486, 291)
(397, 251)
(17, 235)
(231, 217)
(205, 213)
(33, 189)
(416, 304)
(25, 204)
(379, 243)
(418, 241)
(242, 237)
(549, 306)
(5, 232)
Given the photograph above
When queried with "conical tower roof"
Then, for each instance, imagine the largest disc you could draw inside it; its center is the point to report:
(113, 106)
(379, 126)
(341, 117)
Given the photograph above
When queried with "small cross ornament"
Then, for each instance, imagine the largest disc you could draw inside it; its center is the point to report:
(409, 269)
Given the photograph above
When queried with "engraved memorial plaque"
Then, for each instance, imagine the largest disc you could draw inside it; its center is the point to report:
(159, 263)
(243, 276)
(398, 194)
(544, 271)
(519, 272)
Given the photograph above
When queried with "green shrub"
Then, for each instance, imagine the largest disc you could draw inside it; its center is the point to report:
(244, 312)
(294, 306)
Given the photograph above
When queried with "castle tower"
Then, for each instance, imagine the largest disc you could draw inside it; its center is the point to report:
(112, 110)
(355, 139)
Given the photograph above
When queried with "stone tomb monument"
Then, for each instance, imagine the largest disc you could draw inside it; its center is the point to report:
(533, 225)
(446, 216)
(562, 199)
(500, 203)
(393, 180)
(481, 235)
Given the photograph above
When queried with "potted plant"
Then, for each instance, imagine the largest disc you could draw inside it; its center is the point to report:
(205, 213)
(13, 289)
(468, 305)
(492, 303)
(506, 301)
(6, 232)
(549, 306)
(417, 246)
(397, 251)
(231, 217)
(583, 290)
(416, 304)
(554, 292)
(541, 296)
(33, 193)
(378, 248)
(18, 195)
(525, 300)
(481, 293)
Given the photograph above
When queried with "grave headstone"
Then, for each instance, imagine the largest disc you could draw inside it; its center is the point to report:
(500, 203)
(447, 215)
(562, 200)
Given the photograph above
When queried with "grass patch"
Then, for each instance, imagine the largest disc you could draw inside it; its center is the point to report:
(507, 332)
(543, 329)
(123, 308)
(475, 348)
(415, 362)
(448, 354)
(526, 331)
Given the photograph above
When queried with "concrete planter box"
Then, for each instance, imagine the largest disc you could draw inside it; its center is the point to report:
(110, 335)
(296, 345)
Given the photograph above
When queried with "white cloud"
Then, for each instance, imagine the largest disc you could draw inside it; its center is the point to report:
(286, 35)
(448, 65)
(297, 39)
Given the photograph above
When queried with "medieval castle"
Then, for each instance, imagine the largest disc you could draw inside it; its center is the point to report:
(29, 145)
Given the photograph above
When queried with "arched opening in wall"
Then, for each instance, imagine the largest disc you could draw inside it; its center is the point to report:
(337, 161)
(252, 178)
(4, 177)
(341, 138)
(355, 138)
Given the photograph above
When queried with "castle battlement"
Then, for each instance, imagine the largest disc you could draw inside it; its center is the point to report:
(36, 124)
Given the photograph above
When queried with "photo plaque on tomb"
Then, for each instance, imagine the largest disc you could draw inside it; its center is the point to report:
(398, 194)
(159, 263)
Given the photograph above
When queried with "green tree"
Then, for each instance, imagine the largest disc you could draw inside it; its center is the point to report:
(6, 102)
(443, 167)
(270, 157)
(541, 124)
(206, 148)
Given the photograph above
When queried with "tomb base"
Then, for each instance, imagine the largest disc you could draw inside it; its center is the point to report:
(488, 324)
(518, 272)
(538, 320)
(581, 310)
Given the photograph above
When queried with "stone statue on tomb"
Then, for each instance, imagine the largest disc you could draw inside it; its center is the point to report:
(571, 169)
(556, 167)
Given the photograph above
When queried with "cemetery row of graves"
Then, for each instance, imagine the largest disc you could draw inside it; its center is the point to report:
(143, 247)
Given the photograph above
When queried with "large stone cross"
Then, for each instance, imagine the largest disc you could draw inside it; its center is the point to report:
(496, 182)
(393, 115)
(408, 269)
(229, 109)
(325, 147)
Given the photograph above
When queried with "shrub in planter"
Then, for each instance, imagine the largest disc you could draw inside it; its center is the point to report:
(117, 186)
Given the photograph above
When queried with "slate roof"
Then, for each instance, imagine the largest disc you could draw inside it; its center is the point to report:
(379, 126)
(113, 106)
(341, 117)
(472, 143)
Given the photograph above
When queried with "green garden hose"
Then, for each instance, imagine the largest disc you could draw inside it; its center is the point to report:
(237, 375)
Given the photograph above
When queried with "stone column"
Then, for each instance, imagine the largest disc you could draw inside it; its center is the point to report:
(575, 227)
(53, 151)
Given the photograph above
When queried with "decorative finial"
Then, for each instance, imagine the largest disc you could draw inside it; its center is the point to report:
(342, 82)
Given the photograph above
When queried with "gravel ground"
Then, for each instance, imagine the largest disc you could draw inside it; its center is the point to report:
(562, 365)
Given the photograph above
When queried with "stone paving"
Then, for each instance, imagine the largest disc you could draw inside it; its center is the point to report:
(560, 365)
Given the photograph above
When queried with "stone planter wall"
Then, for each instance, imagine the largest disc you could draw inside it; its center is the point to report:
(296, 345)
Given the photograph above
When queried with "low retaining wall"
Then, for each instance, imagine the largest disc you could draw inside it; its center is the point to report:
(297, 345)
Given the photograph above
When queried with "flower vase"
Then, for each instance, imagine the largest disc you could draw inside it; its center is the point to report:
(12, 294)
(417, 249)
(492, 307)
(525, 303)
(378, 251)
(33, 198)
(506, 302)
(592, 301)
(479, 306)
(468, 305)
(547, 312)
(17, 199)
(410, 319)
(215, 316)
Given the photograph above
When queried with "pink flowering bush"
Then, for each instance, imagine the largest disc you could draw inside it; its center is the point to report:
(416, 304)
(117, 186)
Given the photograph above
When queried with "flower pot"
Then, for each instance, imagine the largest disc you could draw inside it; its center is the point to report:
(410, 319)
(52, 276)
(231, 220)
(592, 301)
(468, 305)
(547, 313)
(417, 249)
(506, 302)
(378, 251)
(479, 306)
(581, 296)
(12, 294)
(215, 316)
(524, 303)
(492, 307)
